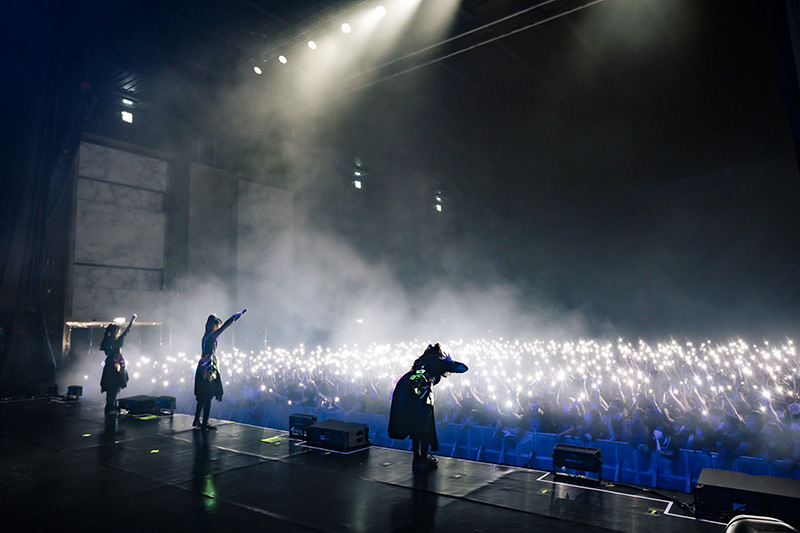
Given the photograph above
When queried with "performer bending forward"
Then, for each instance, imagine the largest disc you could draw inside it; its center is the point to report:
(115, 375)
(207, 381)
(411, 413)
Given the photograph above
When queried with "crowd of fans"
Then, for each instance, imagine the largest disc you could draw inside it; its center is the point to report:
(734, 399)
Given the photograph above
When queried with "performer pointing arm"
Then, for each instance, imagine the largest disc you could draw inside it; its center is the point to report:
(207, 379)
(115, 375)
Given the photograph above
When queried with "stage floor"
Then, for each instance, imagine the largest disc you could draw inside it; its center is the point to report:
(64, 466)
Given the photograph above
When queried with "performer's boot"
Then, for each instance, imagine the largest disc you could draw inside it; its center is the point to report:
(430, 460)
(419, 459)
(196, 422)
(423, 461)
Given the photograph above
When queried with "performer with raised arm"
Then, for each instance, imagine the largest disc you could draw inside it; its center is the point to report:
(115, 375)
(411, 413)
(207, 381)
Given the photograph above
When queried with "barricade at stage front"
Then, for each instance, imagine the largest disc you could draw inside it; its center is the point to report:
(621, 462)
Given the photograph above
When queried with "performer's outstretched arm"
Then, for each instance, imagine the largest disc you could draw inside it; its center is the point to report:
(234, 317)
(133, 318)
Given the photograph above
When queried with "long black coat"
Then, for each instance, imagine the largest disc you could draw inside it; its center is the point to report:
(411, 414)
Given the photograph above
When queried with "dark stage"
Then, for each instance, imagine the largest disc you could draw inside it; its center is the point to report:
(65, 469)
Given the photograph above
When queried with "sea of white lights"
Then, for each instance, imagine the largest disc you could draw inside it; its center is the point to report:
(505, 373)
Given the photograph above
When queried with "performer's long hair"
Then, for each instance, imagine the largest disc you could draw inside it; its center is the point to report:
(111, 332)
(211, 323)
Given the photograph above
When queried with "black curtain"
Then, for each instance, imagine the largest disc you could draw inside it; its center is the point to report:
(44, 61)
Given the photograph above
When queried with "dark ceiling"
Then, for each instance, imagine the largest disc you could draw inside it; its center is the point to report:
(605, 153)
(208, 42)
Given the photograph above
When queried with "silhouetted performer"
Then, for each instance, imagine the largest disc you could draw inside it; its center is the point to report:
(115, 375)
(411, 413)
(207, 381)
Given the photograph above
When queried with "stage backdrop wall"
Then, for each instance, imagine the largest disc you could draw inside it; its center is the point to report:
(175, 241)
(119, 234)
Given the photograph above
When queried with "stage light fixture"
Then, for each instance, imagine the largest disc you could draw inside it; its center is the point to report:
(127, 102)
(257, 70)
(346, 28)
(127, 116)
(283, 59)
(380, 11)
(312, 45)
(120, 319)
(439, 207)
(357, 184)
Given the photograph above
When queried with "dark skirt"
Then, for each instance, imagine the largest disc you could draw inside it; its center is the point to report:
(111, 380)
(411, 415)
(205, 389)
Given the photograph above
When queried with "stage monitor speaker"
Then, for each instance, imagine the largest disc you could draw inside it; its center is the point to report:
(165, 405)
(43, 390)
(337, 435)
(721, 493)
(299, 423)
(576, 458)
(138, 405)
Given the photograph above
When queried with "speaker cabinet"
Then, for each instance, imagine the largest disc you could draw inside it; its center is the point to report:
(721, 493)
(299, 423)
(576, 458)
(138, 405)
(336, 435)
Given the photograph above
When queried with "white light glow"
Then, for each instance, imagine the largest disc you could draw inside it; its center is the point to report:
(346, 28)
(119, 320)
(510, 371)
(283, 59)
(439, 207)
(257, 70)
(357, 184)
(127, 116)
(312, 45)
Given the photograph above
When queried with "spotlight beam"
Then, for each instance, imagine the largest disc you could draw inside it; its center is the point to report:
(481, 28)
(435, 60)
(468, 48)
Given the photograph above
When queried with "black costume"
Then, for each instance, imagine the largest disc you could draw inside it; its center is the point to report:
(411, 413)
(207, 380)
(115, 375)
